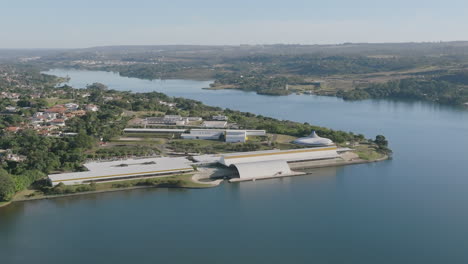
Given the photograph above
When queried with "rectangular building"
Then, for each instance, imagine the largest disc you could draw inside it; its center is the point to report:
(124, 169)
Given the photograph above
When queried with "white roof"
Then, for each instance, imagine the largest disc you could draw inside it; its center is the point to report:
(263, 169)
(287, 155)
(132, 168)
(155, 130)
(313, 140)
(236, 132)
(208, 158)
(214, 123)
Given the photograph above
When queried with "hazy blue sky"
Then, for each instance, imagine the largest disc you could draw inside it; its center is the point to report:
(85, 23)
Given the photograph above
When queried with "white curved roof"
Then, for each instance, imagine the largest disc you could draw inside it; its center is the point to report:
(286, 155)
(313, 140)
(264, 169)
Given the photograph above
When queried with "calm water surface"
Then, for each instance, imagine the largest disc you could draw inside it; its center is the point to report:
(412, 209)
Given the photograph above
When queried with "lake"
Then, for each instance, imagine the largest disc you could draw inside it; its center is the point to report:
(411, 209)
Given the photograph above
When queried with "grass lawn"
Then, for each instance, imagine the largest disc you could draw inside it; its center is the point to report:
(366, 152)
(186, 180)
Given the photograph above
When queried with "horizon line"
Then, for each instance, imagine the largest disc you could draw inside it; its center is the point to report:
(240, 45)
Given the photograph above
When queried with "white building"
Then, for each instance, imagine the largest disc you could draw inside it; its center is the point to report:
(72, 106)
(167, 120)
(233, 136)
(215, 124)
(220, 118)
(58, 122)
(194, 118)
(167, 104)
(207, 134)
(313, 140)
(92, 108)
(11, 109)
(124, 169)
(155, 130)
(273, 163)
(230, 135)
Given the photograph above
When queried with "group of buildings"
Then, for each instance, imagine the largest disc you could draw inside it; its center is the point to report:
(227, 135)
(49, 121)
(177, 120)
(241, 166)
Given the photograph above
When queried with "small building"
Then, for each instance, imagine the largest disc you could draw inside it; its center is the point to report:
(78, 113)
(58, 122)
(15, 157)
(220, 118)
(214, 124)
(11, 109)
(92, 108)
(167, 104)
(56, 109)
(194, 119)
(72, 106)
(12, 129)
(314, 140)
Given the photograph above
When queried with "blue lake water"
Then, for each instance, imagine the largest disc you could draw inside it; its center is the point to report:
(412, 209)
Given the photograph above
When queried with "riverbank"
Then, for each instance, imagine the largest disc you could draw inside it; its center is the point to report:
(202, 179)
(4, 204)
(187, 181)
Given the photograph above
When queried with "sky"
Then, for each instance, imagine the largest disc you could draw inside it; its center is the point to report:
(87, 23)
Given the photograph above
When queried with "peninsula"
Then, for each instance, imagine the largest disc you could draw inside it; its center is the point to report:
(58, 140)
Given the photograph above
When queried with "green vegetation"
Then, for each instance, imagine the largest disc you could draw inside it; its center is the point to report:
(275, 126)
(446, 89)
(368, 153)
(68, 189)
(176, 181)
(437, 71)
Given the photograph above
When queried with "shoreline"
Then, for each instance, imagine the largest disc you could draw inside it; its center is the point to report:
(197, 177)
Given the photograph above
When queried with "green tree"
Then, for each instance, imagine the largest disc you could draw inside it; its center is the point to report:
(381, 141)
(7, 186)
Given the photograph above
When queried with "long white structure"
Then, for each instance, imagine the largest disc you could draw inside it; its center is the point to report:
(209, 134)
(230, 135)
(154, 130)
(124, 169)
(291, 155)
